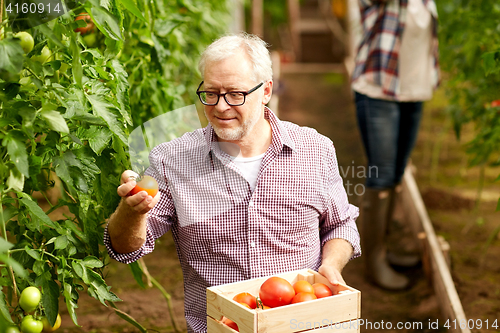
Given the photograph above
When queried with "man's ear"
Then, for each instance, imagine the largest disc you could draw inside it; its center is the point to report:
(268, 92)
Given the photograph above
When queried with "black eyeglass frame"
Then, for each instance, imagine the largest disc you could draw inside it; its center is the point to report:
(245, 93)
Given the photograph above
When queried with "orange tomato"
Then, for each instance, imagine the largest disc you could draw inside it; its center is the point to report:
(246, 298)
(302, 286)
(228, 322)
(303, 297)
(146, 183)
(322, 290)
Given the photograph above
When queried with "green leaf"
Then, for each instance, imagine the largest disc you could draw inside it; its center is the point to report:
(36, 211)
(99, 138)
(4, 310)
(491, 62)
(70, 303)
(69, 169)
(15, 181)
(137, 273)
(122, 89)
(92, 262)
(5, 245)
(132, 7)
(104, 109)
(12, 56)
(32, 253)
(50, 300)
(54, 118)
(76, 65)
(100, 288)
(18, 155)
(61, 242)
(106, 22)
(17, 267)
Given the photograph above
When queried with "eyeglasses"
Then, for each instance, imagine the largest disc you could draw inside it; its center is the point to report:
(233, 98)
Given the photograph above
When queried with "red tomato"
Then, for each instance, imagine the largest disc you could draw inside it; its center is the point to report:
(495, 104)
(276, 291)
(90, 24)
(321, 290)
(303, 297)
(303, 286)
(146, 183)
(230, 323)
(246, 298)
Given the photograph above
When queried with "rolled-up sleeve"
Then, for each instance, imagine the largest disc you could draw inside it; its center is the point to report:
(339, 218)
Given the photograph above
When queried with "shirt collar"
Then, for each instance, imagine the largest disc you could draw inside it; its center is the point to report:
(280, 136)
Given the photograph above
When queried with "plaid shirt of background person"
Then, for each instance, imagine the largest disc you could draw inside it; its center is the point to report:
(377, 58)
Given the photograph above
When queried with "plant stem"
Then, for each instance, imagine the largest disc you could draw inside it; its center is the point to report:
(167, 296)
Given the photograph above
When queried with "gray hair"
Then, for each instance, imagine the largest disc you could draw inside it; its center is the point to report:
(227, 46)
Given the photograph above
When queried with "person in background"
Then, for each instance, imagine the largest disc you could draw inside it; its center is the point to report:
(396, 70)
(247, 196)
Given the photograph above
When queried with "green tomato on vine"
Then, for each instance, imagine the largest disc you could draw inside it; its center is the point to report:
(27, 41)
(12, 329)
(42, 57)
(30, 298)
(30, 325)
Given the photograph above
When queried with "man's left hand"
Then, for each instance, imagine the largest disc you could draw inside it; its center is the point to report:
(332, 274)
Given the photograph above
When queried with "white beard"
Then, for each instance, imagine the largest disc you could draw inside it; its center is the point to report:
(234, 134)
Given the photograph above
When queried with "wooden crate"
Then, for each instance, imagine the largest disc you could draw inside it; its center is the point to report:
(321, 315)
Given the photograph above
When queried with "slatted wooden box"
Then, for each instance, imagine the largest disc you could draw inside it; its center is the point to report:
(337, 313)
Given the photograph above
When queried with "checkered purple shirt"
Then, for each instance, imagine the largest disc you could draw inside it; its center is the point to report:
(383, 24)
(224, 232)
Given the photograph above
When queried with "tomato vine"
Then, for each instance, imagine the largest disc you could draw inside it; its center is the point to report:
(67, 106)
(470, 57)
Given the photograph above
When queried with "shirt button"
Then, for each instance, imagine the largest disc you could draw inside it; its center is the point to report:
(251, 203)
(252, 244)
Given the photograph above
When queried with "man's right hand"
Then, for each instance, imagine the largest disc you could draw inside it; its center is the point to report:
(140, 202)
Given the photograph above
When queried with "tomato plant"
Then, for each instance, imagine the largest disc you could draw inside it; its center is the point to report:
(276, 291)
(31, 325)
(30, 298)
(303, 297)
(322, 290)
(65, 115)
(145, 183)
(246, 298)
(470, 57)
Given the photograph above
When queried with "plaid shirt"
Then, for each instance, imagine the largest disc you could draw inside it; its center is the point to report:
(224, 232)
(383, 25)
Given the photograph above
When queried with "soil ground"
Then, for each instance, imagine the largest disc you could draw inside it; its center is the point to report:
(323, 101)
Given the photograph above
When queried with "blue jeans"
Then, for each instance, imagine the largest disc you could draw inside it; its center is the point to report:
(389, 130)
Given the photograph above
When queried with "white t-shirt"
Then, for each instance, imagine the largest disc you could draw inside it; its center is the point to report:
(249, 167)
(415, 59)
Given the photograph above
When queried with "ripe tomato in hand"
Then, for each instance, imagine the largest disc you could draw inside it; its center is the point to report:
(303, 297)
(146, 183)
(246, 298)
(302, 286)
(276, 291)
(322, 290)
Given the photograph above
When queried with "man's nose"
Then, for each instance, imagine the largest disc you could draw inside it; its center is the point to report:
(222, 104)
